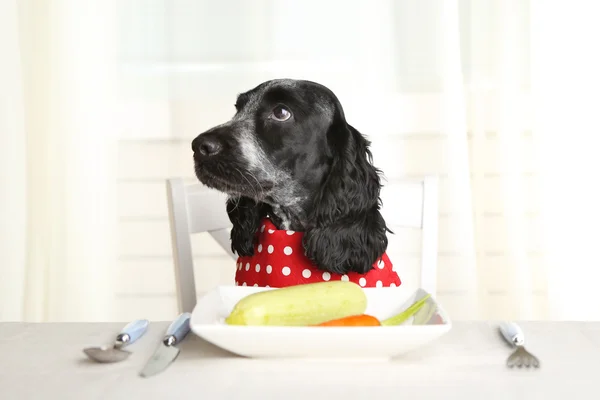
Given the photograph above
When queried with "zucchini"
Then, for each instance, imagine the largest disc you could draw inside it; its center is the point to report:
(300, 305)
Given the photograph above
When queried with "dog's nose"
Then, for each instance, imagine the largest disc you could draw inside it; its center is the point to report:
(206, 146)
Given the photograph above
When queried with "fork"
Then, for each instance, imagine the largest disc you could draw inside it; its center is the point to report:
(514, 335)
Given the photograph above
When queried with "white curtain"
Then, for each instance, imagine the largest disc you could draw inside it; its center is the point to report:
(520, 109)
(58, 153)
(497, 97)
(13, 184)
(565, 86)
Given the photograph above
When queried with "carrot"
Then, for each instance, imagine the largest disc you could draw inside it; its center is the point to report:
(354, 320)
(369, 320)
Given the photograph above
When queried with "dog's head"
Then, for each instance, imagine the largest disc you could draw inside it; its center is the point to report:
(289, 152)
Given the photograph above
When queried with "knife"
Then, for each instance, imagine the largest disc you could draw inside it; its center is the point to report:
(167, 350)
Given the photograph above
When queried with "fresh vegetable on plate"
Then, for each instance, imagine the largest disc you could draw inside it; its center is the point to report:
(369, 320)
(406, 314)
(301, 305)
(353, 320)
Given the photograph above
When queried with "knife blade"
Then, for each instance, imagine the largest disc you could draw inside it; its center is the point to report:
(167, 351)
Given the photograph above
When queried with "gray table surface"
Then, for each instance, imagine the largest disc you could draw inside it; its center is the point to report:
(45, 361)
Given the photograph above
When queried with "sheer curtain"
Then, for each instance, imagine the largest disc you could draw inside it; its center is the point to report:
(489, 95)
(565, 86)
(12, 168)
(58, 157)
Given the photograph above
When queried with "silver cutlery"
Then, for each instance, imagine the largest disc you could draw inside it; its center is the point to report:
(515, 336)
(115, 352)
(167, 350)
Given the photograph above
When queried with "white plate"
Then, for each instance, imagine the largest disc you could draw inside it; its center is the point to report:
(428, 324)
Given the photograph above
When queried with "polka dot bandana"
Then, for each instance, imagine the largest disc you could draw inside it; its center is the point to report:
(279, 261)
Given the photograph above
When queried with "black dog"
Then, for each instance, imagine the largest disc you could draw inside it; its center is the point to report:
(288, 153)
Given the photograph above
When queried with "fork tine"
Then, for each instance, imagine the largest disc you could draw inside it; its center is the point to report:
(513, 334)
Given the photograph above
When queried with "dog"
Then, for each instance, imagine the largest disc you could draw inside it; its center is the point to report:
(293, 167)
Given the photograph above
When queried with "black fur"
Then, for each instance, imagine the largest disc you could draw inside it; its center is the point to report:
(245, 214)
(312, 172)
(349, 233)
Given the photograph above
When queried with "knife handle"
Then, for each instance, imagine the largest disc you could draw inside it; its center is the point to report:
(132, 331)
(178, 329)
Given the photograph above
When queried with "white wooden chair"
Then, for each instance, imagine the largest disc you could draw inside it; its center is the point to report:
(195, 209)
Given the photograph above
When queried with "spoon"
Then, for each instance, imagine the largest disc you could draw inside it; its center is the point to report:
(115, 352)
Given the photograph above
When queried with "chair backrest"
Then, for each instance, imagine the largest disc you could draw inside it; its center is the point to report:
(196, 208)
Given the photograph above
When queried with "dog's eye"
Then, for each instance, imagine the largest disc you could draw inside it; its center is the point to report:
(280, 113)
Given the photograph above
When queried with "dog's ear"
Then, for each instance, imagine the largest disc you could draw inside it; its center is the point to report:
(245, 214)
(348, 232)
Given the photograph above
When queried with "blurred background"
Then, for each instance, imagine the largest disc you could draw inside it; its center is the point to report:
(99, 101)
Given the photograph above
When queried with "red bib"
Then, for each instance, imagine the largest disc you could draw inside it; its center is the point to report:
(279, 261)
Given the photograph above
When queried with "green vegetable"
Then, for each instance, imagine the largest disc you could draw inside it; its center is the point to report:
(300, 305)
(425, 314)
(406, 314)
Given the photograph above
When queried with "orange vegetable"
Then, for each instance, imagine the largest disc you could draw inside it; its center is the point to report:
(354, 320)
(369, 320)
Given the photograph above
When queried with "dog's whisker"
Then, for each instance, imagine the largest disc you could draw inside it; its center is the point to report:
(257, 189)
(258, 185)
(250, 187)
(236, 202)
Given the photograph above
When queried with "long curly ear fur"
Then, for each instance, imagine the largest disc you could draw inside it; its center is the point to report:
(349, 232)
(245, 215)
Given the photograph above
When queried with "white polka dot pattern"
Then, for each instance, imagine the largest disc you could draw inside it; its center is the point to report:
(279, 261)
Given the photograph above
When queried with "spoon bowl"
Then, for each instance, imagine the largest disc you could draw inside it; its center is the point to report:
(106, 354)
(115, 352)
